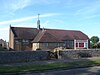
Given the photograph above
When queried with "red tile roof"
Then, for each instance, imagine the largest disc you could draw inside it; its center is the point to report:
(68, 34)
(44, 36)
(24, 33)
(48, 35)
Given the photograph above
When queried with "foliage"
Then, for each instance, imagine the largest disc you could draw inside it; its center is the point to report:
(94, 39)
(38, 49)
(94, 42)
(96, 45)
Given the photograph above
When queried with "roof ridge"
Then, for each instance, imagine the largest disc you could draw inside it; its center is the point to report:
(43, 32)
(38, 37)
(61, 29)
(52, 36)
(23, 27)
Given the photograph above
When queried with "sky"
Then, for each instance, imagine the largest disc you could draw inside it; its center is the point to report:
(83, 15)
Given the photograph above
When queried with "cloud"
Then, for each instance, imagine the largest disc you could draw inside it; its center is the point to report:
(4, 33)
(27, 18)
(89, 9)
(20, 4)
(26, 24)
(59, 21)
(45, 24)
(3, 29)
(14, 5)
(91, 16)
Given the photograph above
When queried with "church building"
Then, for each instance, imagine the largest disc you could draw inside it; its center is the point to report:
(24, 38)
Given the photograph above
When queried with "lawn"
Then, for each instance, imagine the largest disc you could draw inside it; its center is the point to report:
(50, 66)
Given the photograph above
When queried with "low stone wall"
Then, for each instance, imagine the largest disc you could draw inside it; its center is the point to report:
(23, 56)
(28, 56)
(65, 54)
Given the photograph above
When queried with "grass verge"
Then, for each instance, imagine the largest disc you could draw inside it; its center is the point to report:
(49, 66)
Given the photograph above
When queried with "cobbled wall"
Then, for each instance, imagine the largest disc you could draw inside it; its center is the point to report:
(65, 54)
(23, 56)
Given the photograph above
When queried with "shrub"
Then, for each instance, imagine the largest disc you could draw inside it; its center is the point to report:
(96, 45)
(38, 49)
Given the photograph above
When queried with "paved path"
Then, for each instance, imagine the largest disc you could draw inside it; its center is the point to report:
(80, 71)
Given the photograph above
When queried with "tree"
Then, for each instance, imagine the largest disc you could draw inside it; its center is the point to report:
(94, 42)
(94, 39)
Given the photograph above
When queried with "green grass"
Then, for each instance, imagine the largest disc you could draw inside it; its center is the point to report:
(50, 66)
(26, 68)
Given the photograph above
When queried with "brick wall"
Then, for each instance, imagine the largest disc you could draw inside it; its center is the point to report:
(23, 56)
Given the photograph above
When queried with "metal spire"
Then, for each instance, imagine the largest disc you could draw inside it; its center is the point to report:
(38, 16)
(38, 22)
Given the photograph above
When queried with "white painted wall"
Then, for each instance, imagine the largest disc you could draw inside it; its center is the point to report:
(35, 46)
(81, 41)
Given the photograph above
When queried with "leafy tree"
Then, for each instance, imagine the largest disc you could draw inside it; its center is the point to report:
(94, 42)
(98, 45)
(94, 39)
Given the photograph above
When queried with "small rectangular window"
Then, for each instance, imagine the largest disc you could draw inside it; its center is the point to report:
(85, 45)
(81, 44)
(25, 42)
(16, 41)
(76, 44)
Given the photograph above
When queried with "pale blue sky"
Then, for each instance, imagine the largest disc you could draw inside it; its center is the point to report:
(83, 15)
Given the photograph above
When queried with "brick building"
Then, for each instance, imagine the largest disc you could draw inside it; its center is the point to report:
(21, 38)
